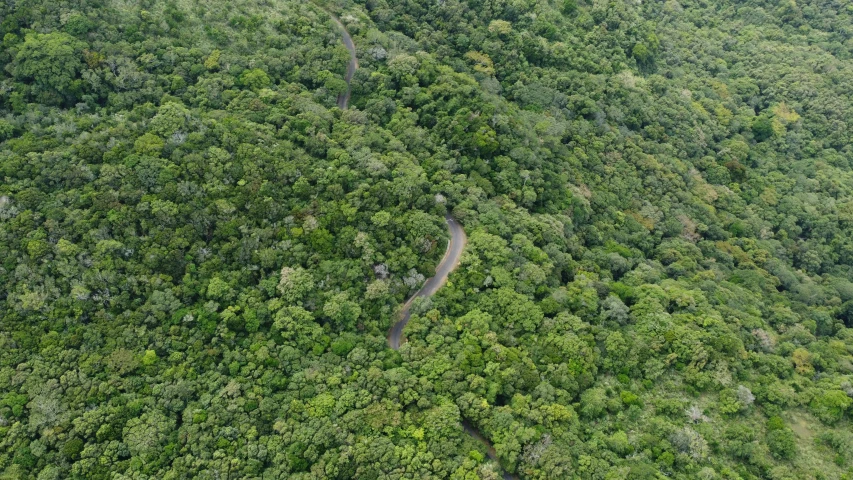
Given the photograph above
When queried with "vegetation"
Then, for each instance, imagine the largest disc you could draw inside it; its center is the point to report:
(201, 254)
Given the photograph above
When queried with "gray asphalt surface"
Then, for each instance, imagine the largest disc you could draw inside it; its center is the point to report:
(490, 450)
(447, 265)
(452, 255)
(343, 99)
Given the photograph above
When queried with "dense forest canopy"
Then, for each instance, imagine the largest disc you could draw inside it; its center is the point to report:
(201, 253)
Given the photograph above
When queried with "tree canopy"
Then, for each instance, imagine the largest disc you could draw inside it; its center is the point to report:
(201, 254)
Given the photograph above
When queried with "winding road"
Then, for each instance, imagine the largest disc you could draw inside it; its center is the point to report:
(448, 264)
(452, 255)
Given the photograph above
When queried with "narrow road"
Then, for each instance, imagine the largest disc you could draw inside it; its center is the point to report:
(490, 450)
(452, 255)
(343, 99)
(455, 246)
(447, 265)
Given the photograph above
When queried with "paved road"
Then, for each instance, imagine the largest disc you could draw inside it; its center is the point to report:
(490, 450)
(343, 99)
(458, 239)
(447, 265)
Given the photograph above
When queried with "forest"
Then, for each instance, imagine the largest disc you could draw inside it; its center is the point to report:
(202, 252)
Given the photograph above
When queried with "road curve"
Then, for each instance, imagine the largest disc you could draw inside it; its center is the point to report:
(490, 450)
(452, 255)
(449, 263)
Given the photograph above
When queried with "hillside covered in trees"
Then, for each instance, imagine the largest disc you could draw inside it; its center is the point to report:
(201, 253)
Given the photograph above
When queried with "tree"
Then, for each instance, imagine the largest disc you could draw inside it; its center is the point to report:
(335, 86)
(146, 435)
(342, 311)
(762, 128)
(149, 358)
(218, 288)
(50, 60)
(149, 144)
(593, 403)
(829, 405)
(255, 79)
(614, 309)
(6, 130)
(295, 283)
(72, 448)
(780, 439)
(641, 53)
(730, 402)
(171, 118)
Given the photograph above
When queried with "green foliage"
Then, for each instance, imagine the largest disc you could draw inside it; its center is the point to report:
(255, 79)
(342, 311)
(199, 416)
(619, 443)
(202, 255)
(593, 403)
(762, 128)
(6, 130)
(218, 288)
(335, 86)
(342, 346)
(295, 283)
(170, 118)
(830, 405)
(780, 439)
(629, 398)
(642, 53)
(149, 358)
(72, 448)
(77, 24)
(149, 144)
(50, 60)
